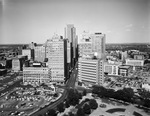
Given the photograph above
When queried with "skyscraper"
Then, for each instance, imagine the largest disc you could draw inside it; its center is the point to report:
(70, 34)
(57, 58)
(91, 69)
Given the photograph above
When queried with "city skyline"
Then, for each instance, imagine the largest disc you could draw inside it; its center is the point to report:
(123, 21)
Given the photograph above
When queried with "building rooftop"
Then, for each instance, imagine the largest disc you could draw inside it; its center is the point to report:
(125, 66)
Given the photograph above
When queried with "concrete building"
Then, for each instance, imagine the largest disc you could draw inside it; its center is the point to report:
(36, 75)
(111, 69)
(91, 70)
(137, 64)
(39, 53)
(98, 44)
(57, 58)
(85, 44)
(124, 55)
(124, 70)
(138, 56)
(16, 65)
(70, 34)
(91, 43)
(26, 52)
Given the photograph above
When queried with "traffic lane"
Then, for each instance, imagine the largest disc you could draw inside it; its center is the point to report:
(70, 83)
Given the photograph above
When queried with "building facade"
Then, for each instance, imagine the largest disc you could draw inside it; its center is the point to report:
(98, 44)
(39, 53)
(36, 75)
(26, 52)
(137, 64)
(111, 69)
(91, 70)
(16, 65)
(57, 58)
(70, 34)
(124, 70)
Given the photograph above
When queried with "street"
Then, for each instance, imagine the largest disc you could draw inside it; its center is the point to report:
(69, 84)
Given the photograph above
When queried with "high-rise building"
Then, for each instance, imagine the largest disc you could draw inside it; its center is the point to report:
(91, 70)
(85, 44)
(70, 34)
(91, 43)
(39, 53)
(57, 58)
(98, 44)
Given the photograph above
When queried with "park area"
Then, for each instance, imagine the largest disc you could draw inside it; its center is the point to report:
(106, 107)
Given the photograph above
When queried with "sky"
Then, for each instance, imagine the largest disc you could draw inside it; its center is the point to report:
(26, 21)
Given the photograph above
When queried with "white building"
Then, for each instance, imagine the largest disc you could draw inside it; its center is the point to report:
(26, 52)
(16, 64)
(91, 71)
(91, 43)
(111, 69)
(36, 75)
(98, 44)
(55, 47)
(135, 63)
(39, 53)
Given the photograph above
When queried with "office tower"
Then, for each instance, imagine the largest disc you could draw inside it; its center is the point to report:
(98, 44)
(85, 44)
(57, 58)
(36, 75)
(70, 34)
(91, 70)
(39, 53)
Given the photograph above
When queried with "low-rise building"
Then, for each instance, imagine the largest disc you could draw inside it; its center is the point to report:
(36, 75)
(124, 70)
(111, 69)
(137, 64)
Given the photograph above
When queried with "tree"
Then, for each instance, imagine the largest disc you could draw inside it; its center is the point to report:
(144, 94)
(71, 114)
(84, 92)
(52, 112)
(80, 112)
(73, 97)
(86, 109)
(67, 104)
(60, 107)
(93, 104)
(79, 95)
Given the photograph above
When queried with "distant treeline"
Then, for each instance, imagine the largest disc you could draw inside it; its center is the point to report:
(124, 47)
